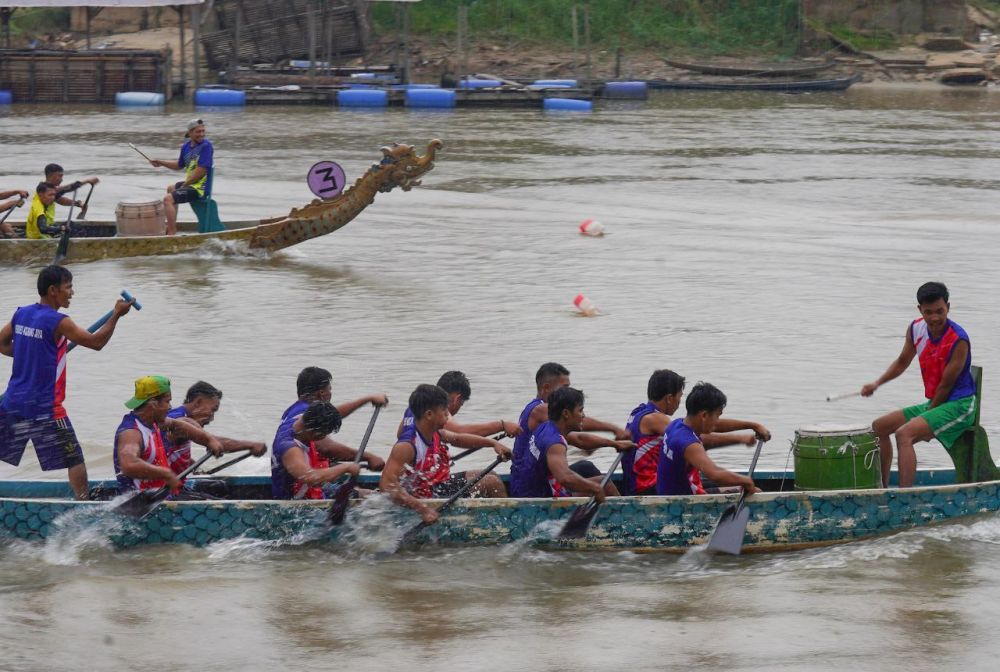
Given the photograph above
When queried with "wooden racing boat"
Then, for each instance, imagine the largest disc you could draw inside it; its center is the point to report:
(400, 166)
(786, 86)
(751, 69)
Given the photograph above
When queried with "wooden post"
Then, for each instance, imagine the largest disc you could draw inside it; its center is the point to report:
(586, 41)
(576, 43)
(311, 18)
(406, 43)
(196, 29)
(237, 27)
(5, 20)
(180, 18)
(87, 14)
(463, 41)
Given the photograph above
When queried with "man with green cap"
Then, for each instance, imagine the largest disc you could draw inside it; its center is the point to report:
(140, 457)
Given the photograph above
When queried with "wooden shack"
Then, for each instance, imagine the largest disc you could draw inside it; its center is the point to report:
(38, 76)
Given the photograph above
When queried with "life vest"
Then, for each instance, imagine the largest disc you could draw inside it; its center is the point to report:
(934, 356)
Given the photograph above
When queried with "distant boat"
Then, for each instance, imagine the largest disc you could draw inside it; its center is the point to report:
(786, 86)
(752, 70)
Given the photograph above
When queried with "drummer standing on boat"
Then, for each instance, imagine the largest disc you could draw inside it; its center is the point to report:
(945, 354)
(197, 161)
(37, 337)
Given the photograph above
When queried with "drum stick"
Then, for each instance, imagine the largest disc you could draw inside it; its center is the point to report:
(140, 152)
(844, 395)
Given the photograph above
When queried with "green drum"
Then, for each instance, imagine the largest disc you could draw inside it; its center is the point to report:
(833, 457)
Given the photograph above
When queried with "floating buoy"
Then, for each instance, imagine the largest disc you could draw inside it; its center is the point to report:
(567, 104)
(362, 98)
(556, 83)
(585, 305)
(6, 97)
(220, 97)
(430, 98)
(591, 227)
(626, 90)
(139, 99)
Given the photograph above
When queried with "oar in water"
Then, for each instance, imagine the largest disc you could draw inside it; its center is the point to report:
(580, 520)
(230, 463)
(343, 495)
(412, 532)
(464, 453)
(86, 203)
(63, 248)
(142, 503)
(732, 525)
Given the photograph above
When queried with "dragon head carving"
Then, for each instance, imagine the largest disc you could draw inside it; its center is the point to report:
(402, 167)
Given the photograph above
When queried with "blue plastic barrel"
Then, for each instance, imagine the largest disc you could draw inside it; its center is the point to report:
(6, 97)
(430, 98)
(626, 90)
(567, 104)
(139, 99)
(570, 83)
(363, 98)
(220, 97)
(479, 83)
(363, 75)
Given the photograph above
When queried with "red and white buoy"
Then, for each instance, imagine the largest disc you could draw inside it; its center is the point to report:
(591, 227)
(585, 305)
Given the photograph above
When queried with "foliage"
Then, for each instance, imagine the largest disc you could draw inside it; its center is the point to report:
(36, 21)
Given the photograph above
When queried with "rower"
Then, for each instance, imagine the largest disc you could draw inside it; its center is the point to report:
(42, 214)
(315, 384)
(456, 384)
(140, 455)
(297, 470)
(418, 466)
(6, 230)
(524, 476)
(201, 403)
(54, 176)
(648, 423)
(945, 354)
(683, 457)
(37, 337)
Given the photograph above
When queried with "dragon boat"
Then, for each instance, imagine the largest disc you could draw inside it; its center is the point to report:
(400, 166)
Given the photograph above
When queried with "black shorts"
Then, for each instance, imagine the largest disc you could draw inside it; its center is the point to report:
(446, 489)
(184, 194)
(55, 442)
(585, 469)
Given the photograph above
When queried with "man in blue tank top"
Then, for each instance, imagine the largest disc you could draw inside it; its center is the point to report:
(37, 337)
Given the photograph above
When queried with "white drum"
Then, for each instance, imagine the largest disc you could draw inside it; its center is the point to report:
(141, 219)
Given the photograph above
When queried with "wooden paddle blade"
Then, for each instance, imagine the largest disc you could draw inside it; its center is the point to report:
(141, 504)
(579, 523)
(341, 500)
(730, 530)
(63, 249)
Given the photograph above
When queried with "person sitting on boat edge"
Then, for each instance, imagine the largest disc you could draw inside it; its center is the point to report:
(54, 175)
(648, 423)
(459, 390)
(41, 221)
(196, 159)
(315, 384)
(297, 470)
(37, 337)
(419, 465)
(524, 481)
(201, 403)
(140, 455)
(544, 469)
(6, 230)
(944, 351)
(683, 458)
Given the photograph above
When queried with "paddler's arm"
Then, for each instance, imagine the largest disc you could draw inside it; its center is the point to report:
(161, 163)
(344, 453)
(555, 458)
(256, 448)
(696, 456)
(952, 370)
(295, 463)
(7, 340)
(191, 431)
(722, 436)
(13, 192)
(595, 425)
(508, 427)
(132, 466)
(898, 366)
(97, 340)
(402, 454)
(474, 441)
(43, 227)
(588, 443)
(348, 407)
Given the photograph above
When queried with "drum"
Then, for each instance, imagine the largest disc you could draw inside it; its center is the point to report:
(835, 457)
(141, 219)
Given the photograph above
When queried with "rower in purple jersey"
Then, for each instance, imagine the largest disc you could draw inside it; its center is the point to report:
(459, 390)
(38, 338)
(528, 477)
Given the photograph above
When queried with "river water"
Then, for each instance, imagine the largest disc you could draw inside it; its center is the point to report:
(770, 244)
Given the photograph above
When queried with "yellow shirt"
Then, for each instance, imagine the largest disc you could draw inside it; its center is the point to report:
(37, 210)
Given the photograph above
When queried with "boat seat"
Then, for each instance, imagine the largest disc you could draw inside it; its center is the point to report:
(971, 453)
(207, 212)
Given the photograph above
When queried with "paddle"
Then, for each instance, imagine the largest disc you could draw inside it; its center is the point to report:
(142, 503)
(229, 463)
(472, 450)
(580, 520)
(844, 395)
(343, 494)
(86, 203)
(732, 526)
(408, 537)
(140, 152)
(63, 248)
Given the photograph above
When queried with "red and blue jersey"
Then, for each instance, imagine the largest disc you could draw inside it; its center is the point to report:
(37, 386)
(673, 474)
(151, 450)
(408, 421)
(639, 465)
(431, 462)
(529, 472)
(178, 454)
(283, 484)
(934, 355)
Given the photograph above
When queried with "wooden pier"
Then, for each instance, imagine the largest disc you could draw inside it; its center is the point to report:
(500, 97)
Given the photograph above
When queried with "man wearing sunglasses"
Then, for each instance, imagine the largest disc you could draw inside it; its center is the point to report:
(196, 160)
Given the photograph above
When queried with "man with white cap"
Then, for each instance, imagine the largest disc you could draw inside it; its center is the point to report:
(196, 160)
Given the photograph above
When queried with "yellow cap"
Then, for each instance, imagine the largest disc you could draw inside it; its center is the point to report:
(147, 388)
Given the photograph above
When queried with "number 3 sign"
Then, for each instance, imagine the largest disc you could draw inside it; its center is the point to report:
(326, 179)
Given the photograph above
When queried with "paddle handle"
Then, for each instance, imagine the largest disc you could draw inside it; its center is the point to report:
(753, 465)
(11, 209)
(161, 493)
(843, 395)
(470, 451)
(107, 316)
(229, 463)
(140, 152)
(607, 477)
(86, 203)
(454, 498)
(368, 434)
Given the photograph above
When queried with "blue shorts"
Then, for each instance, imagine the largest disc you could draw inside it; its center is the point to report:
(54, 440)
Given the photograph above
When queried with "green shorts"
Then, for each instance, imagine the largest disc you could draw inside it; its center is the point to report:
(948, 421)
